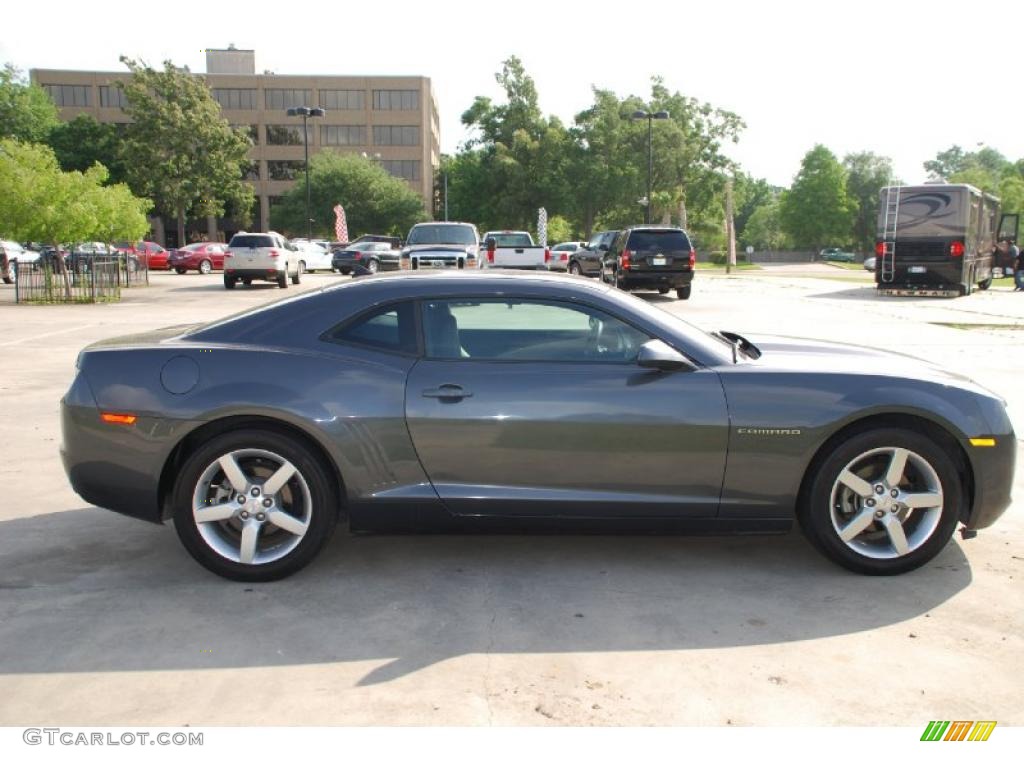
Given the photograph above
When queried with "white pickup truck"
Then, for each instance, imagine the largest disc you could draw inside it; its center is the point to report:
(514, 250)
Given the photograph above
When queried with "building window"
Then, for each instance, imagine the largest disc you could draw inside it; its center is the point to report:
(285, 98)
(251, 170)
(396, 135)
(235, 98)
(342, 135)
(284, 170)
(112, 96)
(392, 100)
(342, 99)
(70, 95)
(403, 169)
(287, 135)
(252, 131)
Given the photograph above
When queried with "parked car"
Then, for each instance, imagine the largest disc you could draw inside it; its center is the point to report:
(261, 256)
(837, 254)
(508, 249)
(202, 257)
(587, 260)
(460, 399)
(372, 256)
(452, 244)
(312, 255)
(83, 254)
(153, 255)
(660, 258)
(562, 253)
(869, 263)
(11, 252)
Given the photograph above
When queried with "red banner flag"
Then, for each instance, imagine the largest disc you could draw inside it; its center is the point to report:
(340, 225)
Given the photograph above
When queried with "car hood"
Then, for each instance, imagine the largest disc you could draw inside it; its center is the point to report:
(813, 356)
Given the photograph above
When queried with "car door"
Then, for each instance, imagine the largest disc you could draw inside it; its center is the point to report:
(216, 255)
(527, 407)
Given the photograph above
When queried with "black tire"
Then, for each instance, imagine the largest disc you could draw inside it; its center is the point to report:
(684, 292)
(205, 267)
(229, 282)
(282, 279)
(299, 269)
(817, 516)
(372, 266)
(311, 475)
(984, 285)
(180, 270)
(574, 268)
(663, 291)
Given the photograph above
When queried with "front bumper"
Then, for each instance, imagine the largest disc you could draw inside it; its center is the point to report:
(993, 470)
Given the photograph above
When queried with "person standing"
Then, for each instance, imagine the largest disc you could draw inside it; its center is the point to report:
(1018, 268)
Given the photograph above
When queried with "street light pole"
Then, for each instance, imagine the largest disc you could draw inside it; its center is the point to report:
(305, 113)
(650, 117)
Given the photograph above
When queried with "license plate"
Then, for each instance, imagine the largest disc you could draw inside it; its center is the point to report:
(658, 261)
(917, 270)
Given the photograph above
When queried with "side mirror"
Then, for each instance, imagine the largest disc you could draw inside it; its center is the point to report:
(659, 356)
(603, 247)
(490, 244)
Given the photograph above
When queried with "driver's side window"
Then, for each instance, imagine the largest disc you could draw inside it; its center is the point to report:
(526, 330)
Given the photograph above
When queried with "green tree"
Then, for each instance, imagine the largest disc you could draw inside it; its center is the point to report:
(26, 111)
(763, 228)
(374, 200)
(866, 174)
(178, 150)
(81, 143)
(817, 210)
(41, 203)
(559, 230)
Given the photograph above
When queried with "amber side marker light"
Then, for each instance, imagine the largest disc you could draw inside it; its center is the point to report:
(118, 418)
(983, 442)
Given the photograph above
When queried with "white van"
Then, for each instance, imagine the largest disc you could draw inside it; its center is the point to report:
(261, 256)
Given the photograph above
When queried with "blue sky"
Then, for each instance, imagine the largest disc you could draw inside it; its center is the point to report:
(903, 79)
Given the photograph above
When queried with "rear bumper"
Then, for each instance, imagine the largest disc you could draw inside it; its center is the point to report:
(654, 279)
(254, 274)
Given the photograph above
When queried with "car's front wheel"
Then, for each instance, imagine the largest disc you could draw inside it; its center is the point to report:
(883, 502)
(254, 505)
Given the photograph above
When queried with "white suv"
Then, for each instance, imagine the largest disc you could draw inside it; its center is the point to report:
(261, 256)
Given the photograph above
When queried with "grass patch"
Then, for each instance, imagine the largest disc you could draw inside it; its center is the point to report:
(846, 265)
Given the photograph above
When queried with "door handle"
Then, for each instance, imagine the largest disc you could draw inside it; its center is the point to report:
(447, 392)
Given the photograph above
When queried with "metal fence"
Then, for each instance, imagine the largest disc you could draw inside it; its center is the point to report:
(99, 280)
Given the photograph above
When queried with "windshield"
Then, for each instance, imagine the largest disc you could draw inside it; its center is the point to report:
(441, 234)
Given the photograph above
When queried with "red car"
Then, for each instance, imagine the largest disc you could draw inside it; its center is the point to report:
(152, 254)
(204, 257)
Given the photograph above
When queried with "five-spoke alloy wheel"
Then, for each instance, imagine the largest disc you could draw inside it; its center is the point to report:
(254, 505)
(883, 502)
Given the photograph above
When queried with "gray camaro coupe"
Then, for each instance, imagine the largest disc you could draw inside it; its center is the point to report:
(467, 400)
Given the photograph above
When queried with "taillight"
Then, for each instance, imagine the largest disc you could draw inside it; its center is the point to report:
(693, 258)
(357, 255)
(879, 248)
(626, 256)
(274, 253)
(547, 255)
(956, 249)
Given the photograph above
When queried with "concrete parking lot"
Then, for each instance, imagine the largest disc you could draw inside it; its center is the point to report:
(107, 620)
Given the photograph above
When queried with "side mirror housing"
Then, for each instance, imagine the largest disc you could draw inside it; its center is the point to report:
(659, 356)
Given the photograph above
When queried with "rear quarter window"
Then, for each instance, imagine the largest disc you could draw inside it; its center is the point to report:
(389, 329)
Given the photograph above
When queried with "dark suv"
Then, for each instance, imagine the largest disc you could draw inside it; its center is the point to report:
(587, 260)
(656, 258)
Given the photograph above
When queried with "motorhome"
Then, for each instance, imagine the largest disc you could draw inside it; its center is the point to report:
(938, 239)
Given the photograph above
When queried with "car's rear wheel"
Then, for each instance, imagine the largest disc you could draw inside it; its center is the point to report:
(229, 282)
(299, 269)
(684, 292)
(663, 291)
(282, 279)
(206, 266)
(883, 502)
(180, 270)
(254, 505)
